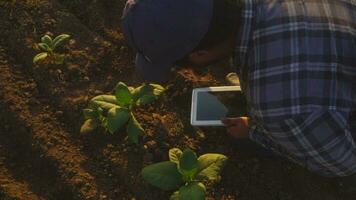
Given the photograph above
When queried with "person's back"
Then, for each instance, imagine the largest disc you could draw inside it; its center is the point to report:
(296, 61)
(300, 80)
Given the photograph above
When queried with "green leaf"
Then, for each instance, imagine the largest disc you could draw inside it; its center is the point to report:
(145, 99)
(174, 196)
(174, 155)
(105, 102)
(141, 90)
(59, 39)
(188, 164)
(117, 117)
(157, 89)
(123, 94)
(192, 191)
(163, 175)
(88, 126)
(47, 40)
(44, 47)
(134, 130)
(90, 114)
(210, 166)
(131, 89)
(147, 93)
(40, 56)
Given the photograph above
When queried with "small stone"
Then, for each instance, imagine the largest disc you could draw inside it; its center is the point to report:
(59, 113)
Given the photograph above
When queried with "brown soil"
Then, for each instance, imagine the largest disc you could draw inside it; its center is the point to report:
(42, 154)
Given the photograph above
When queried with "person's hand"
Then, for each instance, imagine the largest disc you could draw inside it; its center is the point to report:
(237, 127)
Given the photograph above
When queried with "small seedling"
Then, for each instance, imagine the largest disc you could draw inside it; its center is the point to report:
(115, 111)
(185, 173)
(48, 46)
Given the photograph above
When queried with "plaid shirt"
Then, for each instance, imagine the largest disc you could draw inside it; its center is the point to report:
(297, 63)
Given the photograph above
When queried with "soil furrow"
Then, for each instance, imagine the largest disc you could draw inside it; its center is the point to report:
(102, 17)
(19, 161)
(10, 188)
(43, 133)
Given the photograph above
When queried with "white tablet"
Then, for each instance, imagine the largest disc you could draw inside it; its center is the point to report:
(211, 104)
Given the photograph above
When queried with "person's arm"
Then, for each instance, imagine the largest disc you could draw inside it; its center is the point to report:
(319, 140)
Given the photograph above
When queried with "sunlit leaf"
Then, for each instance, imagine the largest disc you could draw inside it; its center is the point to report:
(134, 130)
(44, 47)
(141, 90)
(123, 94)
(116, 118)
(192, 191)
(188, 163)
(174, 155)
(210, 166)
(146, 99)
(90, 114)
(59, 39)
(174, 196)
(106, 102)
(40, 56)
(88, 126)
(157, 89)
(47, 40)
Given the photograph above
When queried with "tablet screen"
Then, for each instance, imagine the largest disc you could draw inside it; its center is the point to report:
(215, 105)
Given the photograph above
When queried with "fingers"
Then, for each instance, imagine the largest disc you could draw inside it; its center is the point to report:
(237, 127)
(232, 130)
(230, 121)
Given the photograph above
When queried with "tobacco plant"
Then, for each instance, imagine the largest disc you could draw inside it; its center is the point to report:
(114, 112)
(48, 46)
(185, 173)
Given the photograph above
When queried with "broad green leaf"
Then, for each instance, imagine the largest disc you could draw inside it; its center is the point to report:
(210, 166)
(106, 98)
(163, 175)
(90, 114)
(105, 102)
(100, 111)
(40, 56)
(174, 196)
(59, 39)
(174, 155)
(147, 93)
(192, 191)
(146, 99)
(47, 40)
(117, 117)
(123, 94)
(134, 130)
(141, 90)
(44, 47)
(157, 89)
(131, 89)
(88, 126)
(188, 163)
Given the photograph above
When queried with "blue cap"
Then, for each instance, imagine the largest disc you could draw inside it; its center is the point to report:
(164, 31)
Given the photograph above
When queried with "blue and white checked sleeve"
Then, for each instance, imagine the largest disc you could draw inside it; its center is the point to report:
(298, 64)
(320, 141)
